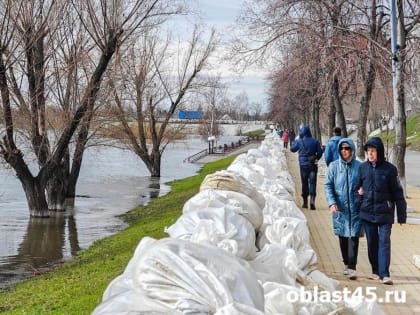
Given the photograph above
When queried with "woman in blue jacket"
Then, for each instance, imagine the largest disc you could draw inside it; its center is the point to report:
(341, 195)
(380, 192)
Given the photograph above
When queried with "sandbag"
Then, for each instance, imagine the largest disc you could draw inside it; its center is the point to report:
(218, 227)
(188, 278)
(229, 200)
(229, 180)
(275, 263)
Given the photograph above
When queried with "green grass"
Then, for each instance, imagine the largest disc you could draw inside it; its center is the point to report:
(76, 287)
(413, 133)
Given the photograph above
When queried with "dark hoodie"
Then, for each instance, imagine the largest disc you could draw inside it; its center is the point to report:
(377, 143)
(306, 146)
(382, 188)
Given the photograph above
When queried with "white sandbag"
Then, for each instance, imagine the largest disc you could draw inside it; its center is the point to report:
(133, 302)
(274, 188)
(241, 166)
(289, 300)
(361, 307)
(290, 232)
(321, 280)
(192, 278)
(275, 263)
(229, 200)
(233, 181)
(218, 227)
(278, 208)
(238, 309)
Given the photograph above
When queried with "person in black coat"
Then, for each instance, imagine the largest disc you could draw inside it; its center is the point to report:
(380, 191)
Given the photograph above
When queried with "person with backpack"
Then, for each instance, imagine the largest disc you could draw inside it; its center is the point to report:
(310, 151)
(331, 150)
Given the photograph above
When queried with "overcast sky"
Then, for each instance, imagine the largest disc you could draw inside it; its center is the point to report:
(221, 14)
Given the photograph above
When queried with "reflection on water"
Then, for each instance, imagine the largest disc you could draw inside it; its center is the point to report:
(43, 245)
(111, 182)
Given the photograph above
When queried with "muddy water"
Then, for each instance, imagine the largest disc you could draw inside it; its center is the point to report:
(111, 182)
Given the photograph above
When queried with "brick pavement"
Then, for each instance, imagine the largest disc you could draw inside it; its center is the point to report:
(405, 243)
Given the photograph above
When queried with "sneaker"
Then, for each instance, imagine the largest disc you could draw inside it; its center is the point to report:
(346, 270)
(387, 280)
(351, 274)
(373, 276)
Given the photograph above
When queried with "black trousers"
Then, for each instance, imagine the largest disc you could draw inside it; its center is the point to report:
(349, 248)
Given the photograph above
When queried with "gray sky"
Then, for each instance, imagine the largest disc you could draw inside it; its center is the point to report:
(221, 14)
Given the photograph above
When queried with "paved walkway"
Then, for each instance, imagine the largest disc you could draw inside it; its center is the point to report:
(405, 243)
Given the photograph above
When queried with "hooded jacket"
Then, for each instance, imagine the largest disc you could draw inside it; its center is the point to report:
(341, 190)
(382, 190)
(306, 146)
(331, 153)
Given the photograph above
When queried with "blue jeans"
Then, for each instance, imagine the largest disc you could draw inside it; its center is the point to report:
(308, 180)
(378, 238)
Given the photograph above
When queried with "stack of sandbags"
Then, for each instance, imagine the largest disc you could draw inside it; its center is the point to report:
(240, 247)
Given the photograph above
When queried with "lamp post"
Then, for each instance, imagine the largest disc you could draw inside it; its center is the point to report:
(211, 143)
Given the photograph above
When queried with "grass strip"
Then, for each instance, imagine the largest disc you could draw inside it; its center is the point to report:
(76, 287)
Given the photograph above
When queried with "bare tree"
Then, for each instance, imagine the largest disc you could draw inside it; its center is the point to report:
(213, 97)
(156, 86)
(29, 32)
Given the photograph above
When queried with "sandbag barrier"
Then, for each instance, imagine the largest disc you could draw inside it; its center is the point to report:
(241, 246)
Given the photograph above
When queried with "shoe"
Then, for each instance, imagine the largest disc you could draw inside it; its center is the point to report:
(312, 202)
(346, 270)
(373, 276)
(351, 274)
(305, 203)
(387, 280)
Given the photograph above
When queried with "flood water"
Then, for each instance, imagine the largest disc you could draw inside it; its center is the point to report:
(111, 182)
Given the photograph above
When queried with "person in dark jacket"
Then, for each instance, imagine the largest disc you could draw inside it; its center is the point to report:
(292, 136)
(310, 151)
(380, 192)
(331, 153)
(341, 196)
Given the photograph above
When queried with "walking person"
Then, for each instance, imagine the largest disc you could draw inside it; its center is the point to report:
(331, 153)
(380, 192)
(341, 195)
(292, 136)
(285, 138)
(310, 151)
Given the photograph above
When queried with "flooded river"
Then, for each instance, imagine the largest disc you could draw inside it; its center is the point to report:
(112, 181)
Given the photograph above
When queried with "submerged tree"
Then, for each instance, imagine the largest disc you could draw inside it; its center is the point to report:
(31, 47)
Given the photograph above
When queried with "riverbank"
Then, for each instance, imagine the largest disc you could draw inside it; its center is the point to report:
(76, 287)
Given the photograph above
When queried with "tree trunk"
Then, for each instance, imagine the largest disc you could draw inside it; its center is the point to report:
(79, 150)
(398, 65)
(155, 159)
(338, 105)
(57, 186)
(369, 84)
(315, 117)
(331, 116)
(35, 196)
